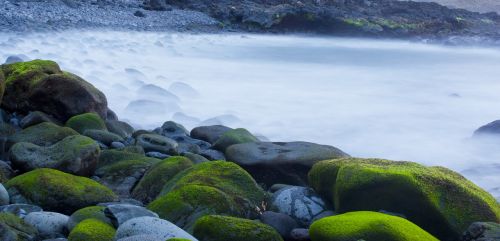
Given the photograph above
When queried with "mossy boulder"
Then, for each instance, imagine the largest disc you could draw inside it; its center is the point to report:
(13, 228)
(104, 137)
(157, 143)
(74, 154)
(157, 176)
(43, 134)
(92, 229)
(57, 191)
(231, 137)
(120, 128)
(92, 212)
(208, 188)
(224, 228)
(366, 225)
(87, 121)
(109, 157)
(36, 117)
(437, 199)
(122, 176)
(41, 85)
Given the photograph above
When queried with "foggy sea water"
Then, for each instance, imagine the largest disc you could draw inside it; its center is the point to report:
(371, 98)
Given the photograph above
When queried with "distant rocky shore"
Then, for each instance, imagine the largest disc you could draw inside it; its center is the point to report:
(71, 170)
(358, 18)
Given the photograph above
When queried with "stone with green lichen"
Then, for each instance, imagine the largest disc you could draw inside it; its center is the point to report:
(102, 136)
(43, 134)
(157, 176)
(208, 188)
(13, 228)
(236, 136)
(57, 191)
(224, 228)
(92, 229)
(365, 225)
(122, 176)
(109, 157)
(92, 212)
(41, 85)
(439, 200)
(2, 85)
(87, 121)
(74, 154)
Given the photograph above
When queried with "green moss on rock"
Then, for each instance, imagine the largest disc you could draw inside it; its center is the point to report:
(208, 188)
(92, 229)
(365, 225)
(223, 228)
(109, 157)
(92, 212)
(87, 121)
(2, 85)
(14, 228)
(437, 199)
(57, 191)
(43, 134)
(157, 176)
(236, 136)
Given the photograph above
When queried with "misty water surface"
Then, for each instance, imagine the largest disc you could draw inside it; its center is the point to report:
(371, 98)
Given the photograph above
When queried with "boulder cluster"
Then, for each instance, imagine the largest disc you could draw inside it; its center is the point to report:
(71, 170)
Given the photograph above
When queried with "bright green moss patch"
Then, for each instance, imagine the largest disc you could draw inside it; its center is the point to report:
(367, 226)
(57, 191)
(30, 71)
(92, 229)
(92, 212)
(437, 199)
(236, 136)
(223, 228)
(87, 121)
(208, 188)
(157, 176)
(43, 134)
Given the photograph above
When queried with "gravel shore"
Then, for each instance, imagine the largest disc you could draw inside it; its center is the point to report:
(44, 15)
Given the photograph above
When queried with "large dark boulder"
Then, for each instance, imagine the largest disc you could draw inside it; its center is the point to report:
(40, 85)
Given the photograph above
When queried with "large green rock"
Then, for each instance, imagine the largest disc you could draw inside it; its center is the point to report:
(43, 134)
(87, 121)
(41, 85)
(223, 228)
(57, 191)
(365, 225)
(208, 188)
(13, 228)
(92, 229)
(92, 212)
(231, 137)
(437, 199)
(109, 157)
(74, 154)
(157, 176)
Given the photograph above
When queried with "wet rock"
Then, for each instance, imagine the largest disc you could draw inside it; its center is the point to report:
(120, 128)
(283, 223)
(154, 142)
(300, 234)
(209, 134)
(281, 162)
(213, 155)
(171, 129)
(104, 137)
(120, 213)
(151, 226)
(233, 137)
(20, 210)
(37, 117)
(482, 231)
(14, 228)
(48, 224)
(300, 203)
(4, 196)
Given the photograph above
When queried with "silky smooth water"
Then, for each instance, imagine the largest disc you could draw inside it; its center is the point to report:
(371, 98)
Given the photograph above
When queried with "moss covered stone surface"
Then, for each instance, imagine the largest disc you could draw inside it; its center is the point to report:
(236, 136)
(109, 157)
(92, 229)
(208, 188)
(43, 134)
(2, 85)
(87, 121)
(74, 154)
(365, 225)
(224, 228)
(92, 212)
(157, 176)
(15, 229)
(437, 199)
(57, 191)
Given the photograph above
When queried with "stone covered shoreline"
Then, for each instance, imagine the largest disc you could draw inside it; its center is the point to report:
(72, 170)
